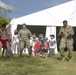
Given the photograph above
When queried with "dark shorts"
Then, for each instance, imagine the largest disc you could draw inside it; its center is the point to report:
(37, 51)
(44, 51)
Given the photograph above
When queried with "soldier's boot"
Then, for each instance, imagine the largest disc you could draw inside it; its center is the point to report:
(62, 56)
(63, 59)
(30, 52)
(21, 53)
(69, 58)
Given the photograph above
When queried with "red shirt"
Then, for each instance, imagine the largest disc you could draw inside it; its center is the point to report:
(37, 46)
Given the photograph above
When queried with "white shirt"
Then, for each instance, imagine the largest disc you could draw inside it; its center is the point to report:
(15, 38)
(52, 43)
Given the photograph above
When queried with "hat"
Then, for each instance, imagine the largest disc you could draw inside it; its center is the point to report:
(45, 38)
(41, 35)
(52, 35)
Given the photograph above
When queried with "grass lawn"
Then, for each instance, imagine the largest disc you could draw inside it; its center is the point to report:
(26, 65)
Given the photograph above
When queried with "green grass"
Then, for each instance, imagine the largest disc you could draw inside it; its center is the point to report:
(26, 65)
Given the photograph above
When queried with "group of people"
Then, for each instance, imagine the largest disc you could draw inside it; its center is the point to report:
(41, 45)
(36, 45)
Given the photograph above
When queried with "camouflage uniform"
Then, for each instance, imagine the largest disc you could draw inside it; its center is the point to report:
(24, 35)
(66, 41)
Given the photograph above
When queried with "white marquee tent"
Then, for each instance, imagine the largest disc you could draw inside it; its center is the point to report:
(50, 17)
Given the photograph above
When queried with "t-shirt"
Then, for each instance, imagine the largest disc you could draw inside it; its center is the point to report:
(15, 38)
(37, 46)
(52, 43)
(45, 45)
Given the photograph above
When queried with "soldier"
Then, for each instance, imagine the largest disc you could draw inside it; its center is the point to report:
(66, 32)
(24, 35)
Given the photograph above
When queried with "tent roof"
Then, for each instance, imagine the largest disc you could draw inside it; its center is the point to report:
(53, 16)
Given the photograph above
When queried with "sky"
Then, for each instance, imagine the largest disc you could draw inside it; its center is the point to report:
(26, 7)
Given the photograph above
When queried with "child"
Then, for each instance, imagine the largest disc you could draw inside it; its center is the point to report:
(32, 40)
(16, 42)
(36, 47)
(45, 47)
(52, 44)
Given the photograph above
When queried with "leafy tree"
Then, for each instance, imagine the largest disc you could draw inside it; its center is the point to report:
(3, 20)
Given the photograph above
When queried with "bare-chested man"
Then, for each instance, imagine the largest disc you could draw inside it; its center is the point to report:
(4, 39)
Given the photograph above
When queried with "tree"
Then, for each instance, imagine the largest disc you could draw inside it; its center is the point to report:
(4, 21)
(4, 9)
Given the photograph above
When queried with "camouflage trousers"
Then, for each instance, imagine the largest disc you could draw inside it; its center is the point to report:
(23, 44)
(66, 43)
